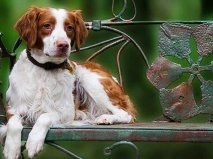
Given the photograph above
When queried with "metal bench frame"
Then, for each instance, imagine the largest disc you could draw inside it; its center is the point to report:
(173, 41)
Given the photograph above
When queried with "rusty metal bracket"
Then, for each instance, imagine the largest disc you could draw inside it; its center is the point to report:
(96, 25)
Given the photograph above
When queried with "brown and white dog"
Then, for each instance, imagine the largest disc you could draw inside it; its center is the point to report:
(47, 89)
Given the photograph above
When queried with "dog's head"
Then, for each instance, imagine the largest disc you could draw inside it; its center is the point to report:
(52, 30)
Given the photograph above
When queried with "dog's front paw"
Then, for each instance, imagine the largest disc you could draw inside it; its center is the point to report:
(105, 119)
(34, 145)
(12, 150)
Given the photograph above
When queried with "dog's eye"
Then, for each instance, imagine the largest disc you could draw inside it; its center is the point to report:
(69, 28)
(47, 26)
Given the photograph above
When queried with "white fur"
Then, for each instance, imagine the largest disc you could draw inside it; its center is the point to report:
(12, 146)
(57, 34)
(44, 98)
(3, 133)
(34, 92)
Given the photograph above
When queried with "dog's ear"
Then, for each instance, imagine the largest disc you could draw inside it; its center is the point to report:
(80, 29)
(27, 26)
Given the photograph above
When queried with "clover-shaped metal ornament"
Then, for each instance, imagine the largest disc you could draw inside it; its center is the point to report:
(174, 40)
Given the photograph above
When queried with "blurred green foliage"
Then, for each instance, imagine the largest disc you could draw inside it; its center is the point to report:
(140, 90)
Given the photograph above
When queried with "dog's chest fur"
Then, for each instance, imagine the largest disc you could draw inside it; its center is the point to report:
(34, 91)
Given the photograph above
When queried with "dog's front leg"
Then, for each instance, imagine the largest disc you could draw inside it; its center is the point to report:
(12, 147)
(38, 133)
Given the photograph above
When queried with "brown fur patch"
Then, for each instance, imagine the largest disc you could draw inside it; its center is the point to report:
(113, 89)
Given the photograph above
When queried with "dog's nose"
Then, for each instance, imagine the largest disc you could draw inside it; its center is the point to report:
(62, 44)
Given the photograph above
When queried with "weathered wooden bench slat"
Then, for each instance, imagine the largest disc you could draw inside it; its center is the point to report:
(149, 131)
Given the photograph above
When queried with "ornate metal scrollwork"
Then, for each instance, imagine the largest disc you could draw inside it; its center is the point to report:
(174, 40)
(108, 150)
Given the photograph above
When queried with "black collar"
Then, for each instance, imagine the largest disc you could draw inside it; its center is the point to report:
(47, 65)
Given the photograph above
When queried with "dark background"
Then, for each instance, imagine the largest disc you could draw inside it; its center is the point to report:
(142, 93)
